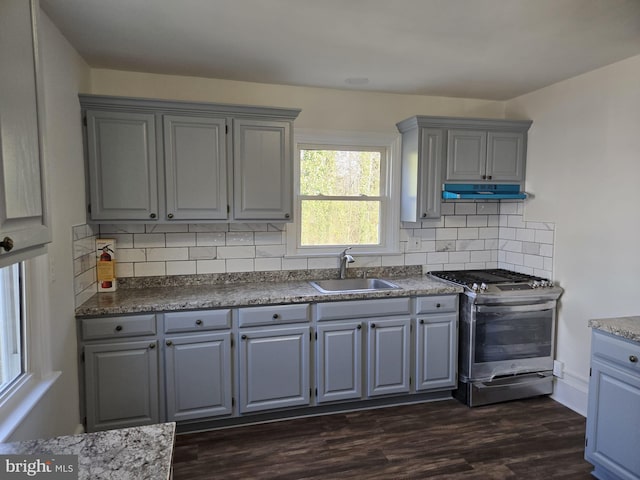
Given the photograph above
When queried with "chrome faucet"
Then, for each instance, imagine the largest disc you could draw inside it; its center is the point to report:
(344, 259)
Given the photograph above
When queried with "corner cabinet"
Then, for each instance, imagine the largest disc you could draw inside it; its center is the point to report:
(613, 416)
(24, 220)
(460, 150)
(164, 161)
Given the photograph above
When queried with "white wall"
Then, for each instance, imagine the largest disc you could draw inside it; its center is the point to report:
(583, 168)
(321, 108)
(65, 73)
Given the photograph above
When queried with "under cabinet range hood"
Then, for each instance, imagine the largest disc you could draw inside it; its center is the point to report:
(482, 191)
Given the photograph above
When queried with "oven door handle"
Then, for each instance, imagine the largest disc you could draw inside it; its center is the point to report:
(534, 307)
(528, 380)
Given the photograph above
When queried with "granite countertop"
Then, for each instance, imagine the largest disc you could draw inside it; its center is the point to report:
(625, 327)
(194, 297)
(135, 453)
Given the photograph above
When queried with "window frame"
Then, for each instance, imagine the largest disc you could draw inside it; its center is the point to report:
(23, 395)
(389, 191)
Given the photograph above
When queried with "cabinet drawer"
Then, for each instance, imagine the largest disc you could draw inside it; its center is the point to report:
(196, 321)
(363, 308)
(617, 350)
(274, 314)
(437, 304)
(116, 327)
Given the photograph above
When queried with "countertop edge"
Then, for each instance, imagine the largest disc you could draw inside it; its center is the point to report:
(623, 327)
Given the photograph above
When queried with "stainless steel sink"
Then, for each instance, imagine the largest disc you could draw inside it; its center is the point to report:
(353, 285)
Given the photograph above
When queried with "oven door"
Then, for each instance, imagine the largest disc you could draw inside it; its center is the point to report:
(511, 340)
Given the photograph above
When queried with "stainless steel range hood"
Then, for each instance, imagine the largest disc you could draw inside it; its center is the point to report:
(482, 191)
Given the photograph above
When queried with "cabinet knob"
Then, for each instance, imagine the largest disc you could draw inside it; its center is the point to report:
(118, 328)
(7, 244)
(424, 215)
(633, 359)
(276, 316)
(243, 337)
(152, 346)
(170, 215)
(438, 305)
(286, 215)
(373, 325)
(489, 177)
(198, 322)
(359, 327)
(153, 215)
(169, 343)
(421, 321)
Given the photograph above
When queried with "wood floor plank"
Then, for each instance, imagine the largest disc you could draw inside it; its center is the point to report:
(527, 439)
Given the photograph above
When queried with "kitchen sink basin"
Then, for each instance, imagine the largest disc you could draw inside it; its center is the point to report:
(353, 285)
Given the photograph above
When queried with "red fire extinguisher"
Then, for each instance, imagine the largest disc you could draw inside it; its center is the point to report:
(105, 257)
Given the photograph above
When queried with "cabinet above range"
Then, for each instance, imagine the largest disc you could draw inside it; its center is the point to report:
(437, 150)
(159, 161)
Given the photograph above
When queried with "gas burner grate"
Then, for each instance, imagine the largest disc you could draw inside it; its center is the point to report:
(489, 277)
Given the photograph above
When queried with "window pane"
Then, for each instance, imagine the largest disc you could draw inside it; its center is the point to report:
(11, 363)
(340, 172)
(339, 222)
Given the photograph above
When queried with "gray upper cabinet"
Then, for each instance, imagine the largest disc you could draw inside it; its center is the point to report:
(24, 222)
(263, 188)
(121, 153)
(168, 161)
(195, 168)
(436, 150)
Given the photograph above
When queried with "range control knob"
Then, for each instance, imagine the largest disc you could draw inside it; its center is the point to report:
(536, 284)
(475, 287)
(483, 287)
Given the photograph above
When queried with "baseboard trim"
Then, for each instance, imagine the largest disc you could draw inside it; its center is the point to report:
(572, 391)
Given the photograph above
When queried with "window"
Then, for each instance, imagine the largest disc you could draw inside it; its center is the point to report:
(344, 188)
(11, 324)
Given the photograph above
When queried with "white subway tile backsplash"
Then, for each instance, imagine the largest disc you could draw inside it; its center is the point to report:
(445, 245)
(131, 255)
(493, 221)
(314, 263)
(203, 253)
(210, 266)
(415, 258)
(459, 257)
(453, 221)
(240, 265)
(123, 240)
(506, 233)
(447, 208)
(124, 269)
(180, 239)
(480, 256)
(515, 221)
(489, 233)
(525, 235)
(433, 222)
(468, 234)
(270, 250)
(544, 236)
(470, 245)
(267, 264)
(121, 228)
(437, 257)
(149, 240)
(210, 239)
(269, 238)
(487, 208)
(533, 261)
(531, 248)
(464, 208)
(515, 258)
(508, 208)
(167, 254)
(244, 252)
(546, 250)
(248, 227)
(149, 269)
(477, 220)
(181, 268)
(240, 238)
(446, 233)
(299, 263)
(425, 233)
(392, 260)
(167, 227)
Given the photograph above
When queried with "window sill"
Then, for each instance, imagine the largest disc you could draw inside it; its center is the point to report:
(21, 400)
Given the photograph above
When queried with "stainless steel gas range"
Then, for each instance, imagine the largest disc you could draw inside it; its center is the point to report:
(506, 335)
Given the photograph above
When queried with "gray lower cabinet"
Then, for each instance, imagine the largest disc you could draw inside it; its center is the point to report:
(273, 368)
(198, 376)
(339, 361)
(436, 342)
(388, 356)
(164, 161)
(121, 384)
(24, 218)
(613, 417)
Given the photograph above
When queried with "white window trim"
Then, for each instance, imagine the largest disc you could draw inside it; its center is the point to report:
(21, 398)
(391, 142)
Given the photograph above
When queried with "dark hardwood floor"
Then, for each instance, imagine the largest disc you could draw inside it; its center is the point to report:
(527, 439)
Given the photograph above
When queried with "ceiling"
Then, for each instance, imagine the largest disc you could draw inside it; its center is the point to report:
(490, 49)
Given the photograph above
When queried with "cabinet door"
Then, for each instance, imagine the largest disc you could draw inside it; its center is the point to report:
(613, 421)
(505, 156)
(262, 180)
(436, 352)
(198, 376)
(274, 368)
(195, 168)
(121, 150)
(121, 381)
(339, 361)
(466, 155)
(23, 210)
(388, 356)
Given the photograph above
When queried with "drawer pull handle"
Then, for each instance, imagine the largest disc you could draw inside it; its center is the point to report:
(169, 343)
(633, 359)
(243, 337)
(152, 346)
(198, 322)
(118, 328)
(276, 316)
